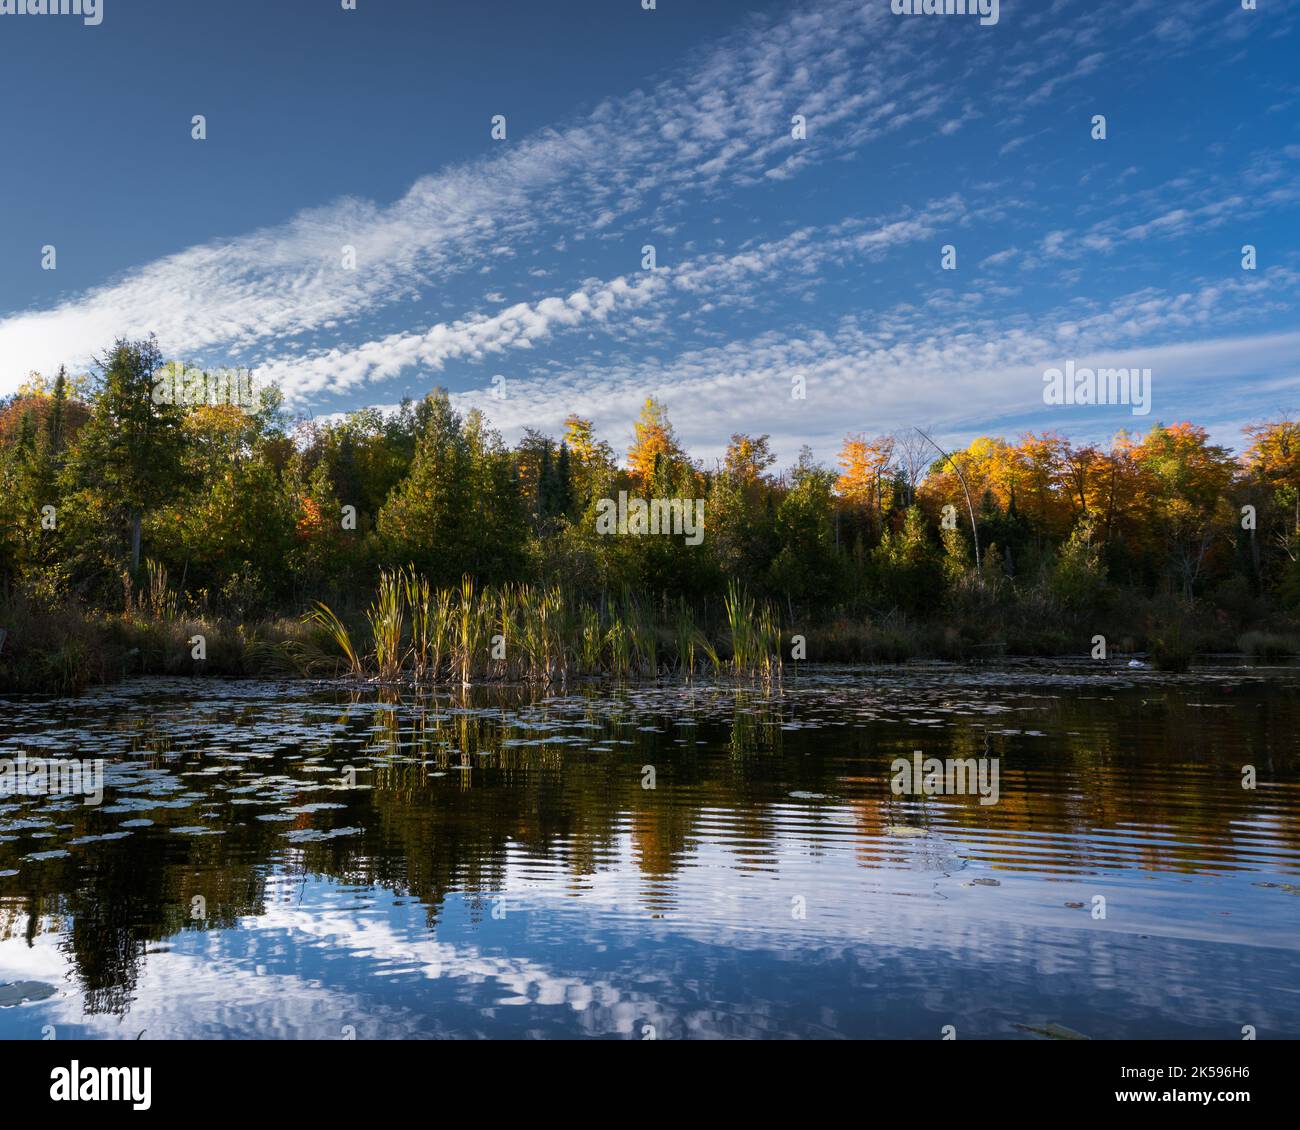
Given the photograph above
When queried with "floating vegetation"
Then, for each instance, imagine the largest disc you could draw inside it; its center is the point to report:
(312, 835)
(20, 992)
(382, 825)
(1053, 1031)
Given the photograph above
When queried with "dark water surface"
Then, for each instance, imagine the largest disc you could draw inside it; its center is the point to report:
(494, 866)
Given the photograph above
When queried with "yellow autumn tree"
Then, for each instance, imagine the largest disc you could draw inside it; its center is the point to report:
(865, 477)
(654, 441)
(1273, 456)
(1041, 477)
(584, 448)
(1187, 478)
(747, 458)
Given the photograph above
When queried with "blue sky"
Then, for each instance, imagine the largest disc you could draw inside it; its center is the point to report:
(777, 257)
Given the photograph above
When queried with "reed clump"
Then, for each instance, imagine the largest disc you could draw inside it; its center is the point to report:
(537, 633)
(1269, 647)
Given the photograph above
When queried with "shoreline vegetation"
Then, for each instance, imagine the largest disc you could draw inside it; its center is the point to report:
(147, 535)
(520, 634)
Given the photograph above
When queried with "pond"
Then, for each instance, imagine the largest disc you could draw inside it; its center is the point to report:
(667, 861)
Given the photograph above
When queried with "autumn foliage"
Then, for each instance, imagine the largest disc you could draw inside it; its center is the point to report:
(262, 511)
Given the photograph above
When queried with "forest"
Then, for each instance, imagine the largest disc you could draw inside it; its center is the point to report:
(135, 524)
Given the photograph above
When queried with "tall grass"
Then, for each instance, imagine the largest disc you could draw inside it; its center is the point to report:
(766, 643)
(1269, 646)
(590, 643)
(387, 616)
(693, 646)
(415, 590)
(468, 613)
(159, 598)
(739, 607)
(323, 617)
(755, 634)
(541, 634)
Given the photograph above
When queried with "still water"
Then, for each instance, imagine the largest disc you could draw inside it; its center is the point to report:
(286, 860)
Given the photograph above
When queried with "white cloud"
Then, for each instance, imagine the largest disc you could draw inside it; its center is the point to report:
(764, 266)
(710, 124)
(964, 374)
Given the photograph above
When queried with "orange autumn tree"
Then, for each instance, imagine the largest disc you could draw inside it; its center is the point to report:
(655, 442)
(990, 470)
(1035, 472)
(1041, 476)
(1273, 458)
(1117, 493)
(865, 480)
(1081, 468)
(1187, 470)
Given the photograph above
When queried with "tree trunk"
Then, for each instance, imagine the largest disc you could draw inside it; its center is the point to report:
(135, 542)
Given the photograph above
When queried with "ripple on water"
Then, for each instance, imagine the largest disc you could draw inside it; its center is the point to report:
(455, 862)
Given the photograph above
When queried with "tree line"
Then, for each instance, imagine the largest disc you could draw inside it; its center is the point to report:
(251, 511)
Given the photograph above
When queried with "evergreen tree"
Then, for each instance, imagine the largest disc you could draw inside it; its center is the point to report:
(129, 451)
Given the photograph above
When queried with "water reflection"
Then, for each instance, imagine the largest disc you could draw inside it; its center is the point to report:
(273, 859)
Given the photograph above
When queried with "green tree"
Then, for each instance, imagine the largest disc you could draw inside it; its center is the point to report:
(129, 451)
(806, 568)
(909, 574)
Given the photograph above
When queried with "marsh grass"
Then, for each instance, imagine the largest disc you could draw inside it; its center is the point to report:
(539, 634)
(410, 631)
(694, 649)
(323, 617)
(415, 632)
(754, 632)
(1269, 646)
(387, 618)
(67, 647)
(416, 592)
(158, 597)
(464, 646)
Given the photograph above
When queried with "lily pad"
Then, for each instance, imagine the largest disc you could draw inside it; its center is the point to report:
(308, 835)
(18, 992)
(1054, 1031)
